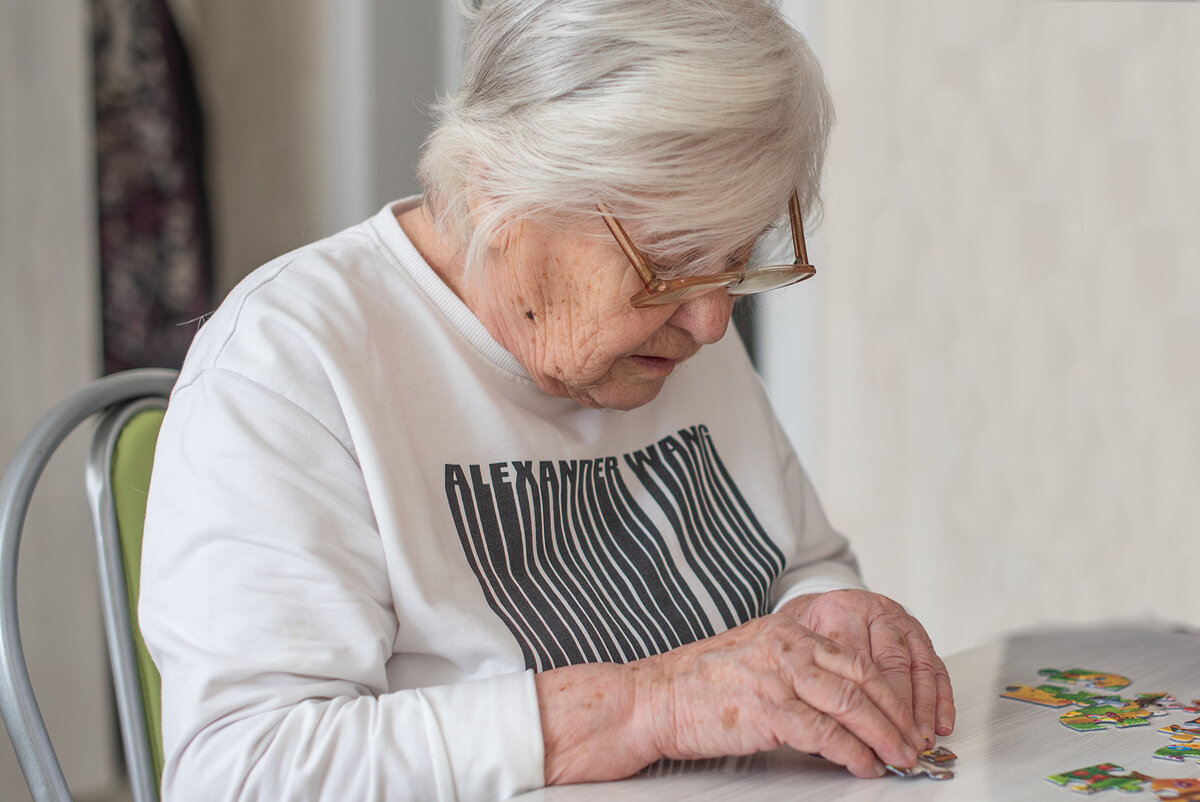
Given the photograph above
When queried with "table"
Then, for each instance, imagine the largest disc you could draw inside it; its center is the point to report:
(1005, 748)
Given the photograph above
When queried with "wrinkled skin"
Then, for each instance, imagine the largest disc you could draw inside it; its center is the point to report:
(846, 674)
(558, 301)
(768, 683)
(881, 630)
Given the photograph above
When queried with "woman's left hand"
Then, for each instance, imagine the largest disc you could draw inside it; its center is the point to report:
(895, 641)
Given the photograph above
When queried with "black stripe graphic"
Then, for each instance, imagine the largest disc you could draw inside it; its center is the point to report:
(573, 563)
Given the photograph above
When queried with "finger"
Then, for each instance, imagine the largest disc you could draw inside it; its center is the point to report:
(946, 711)
(891, 651)
(844, 684)
(848, 704)
(925, 668)
(807, 730)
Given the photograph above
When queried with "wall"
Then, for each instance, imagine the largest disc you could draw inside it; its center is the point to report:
(1005, 353)
(316, 110)
(49, 347)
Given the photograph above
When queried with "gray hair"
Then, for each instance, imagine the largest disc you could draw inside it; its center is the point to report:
(693, 120)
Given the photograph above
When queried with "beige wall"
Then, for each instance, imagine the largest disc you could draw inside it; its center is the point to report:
(48, 348)
(1006, 400)
(257, 67)
(315, 111)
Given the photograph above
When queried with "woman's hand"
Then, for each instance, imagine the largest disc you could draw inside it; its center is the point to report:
(767, 683)
(880, 629)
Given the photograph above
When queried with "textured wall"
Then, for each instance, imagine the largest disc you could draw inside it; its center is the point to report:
(49, 346)
(316, 111)
(1007, 394)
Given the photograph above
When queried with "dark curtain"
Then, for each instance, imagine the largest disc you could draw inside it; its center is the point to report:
(155, 244)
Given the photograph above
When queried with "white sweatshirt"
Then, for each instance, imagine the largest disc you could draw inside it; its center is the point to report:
(367, 528)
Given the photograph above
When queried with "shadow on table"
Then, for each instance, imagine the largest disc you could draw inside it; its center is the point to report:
(762, 764)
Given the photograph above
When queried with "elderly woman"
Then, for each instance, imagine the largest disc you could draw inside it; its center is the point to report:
(480, 494)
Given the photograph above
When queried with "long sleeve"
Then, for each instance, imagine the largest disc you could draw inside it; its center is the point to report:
(821, 559)
(266, 605)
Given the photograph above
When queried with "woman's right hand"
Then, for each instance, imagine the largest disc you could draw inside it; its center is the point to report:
(767, 683)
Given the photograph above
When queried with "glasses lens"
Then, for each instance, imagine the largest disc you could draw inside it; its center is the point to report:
(771, 278)
(671, 294)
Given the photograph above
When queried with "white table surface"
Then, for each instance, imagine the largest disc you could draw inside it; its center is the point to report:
(1005, 748)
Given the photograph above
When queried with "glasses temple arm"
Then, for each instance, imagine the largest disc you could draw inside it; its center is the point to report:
(631, 252)
(797, 229)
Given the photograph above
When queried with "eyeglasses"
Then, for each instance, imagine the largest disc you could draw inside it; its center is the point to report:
(735, 282)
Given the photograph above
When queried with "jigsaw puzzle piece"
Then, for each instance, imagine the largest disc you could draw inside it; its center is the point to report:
(1183, 735)
(1101, 777)
(1184, 789)
(1157, 703)
(1179, 751)
(1057, 696)
(1099, 680)
(1194, 707)
(1135, 713)
(931, 763)
(1169, 702)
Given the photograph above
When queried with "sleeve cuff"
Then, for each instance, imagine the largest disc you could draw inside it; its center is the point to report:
(830, 577)
(491, 736)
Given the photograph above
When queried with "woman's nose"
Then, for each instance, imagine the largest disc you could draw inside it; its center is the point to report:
(705, 317)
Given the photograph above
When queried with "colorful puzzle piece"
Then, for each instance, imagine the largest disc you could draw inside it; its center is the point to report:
(1182, 789)
(1194, 707)
(1057, 696)
(1100, 777)
(1178, 752)
(930, 763)
(1135, 713)
(1082, 676)
(1183, 735)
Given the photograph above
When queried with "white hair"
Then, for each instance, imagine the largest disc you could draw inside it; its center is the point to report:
(692, 120)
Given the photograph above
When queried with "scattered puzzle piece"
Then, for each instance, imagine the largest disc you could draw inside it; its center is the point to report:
(1131, 714)
(1082, 676)
(1178, 752)
(1194, 707)
(1157, 701)
(1183, 735)
(930, 763)
(1057, 696)
(1100, 777)
(1182, 789)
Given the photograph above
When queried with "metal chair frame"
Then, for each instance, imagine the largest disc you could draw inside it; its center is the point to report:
(123, 395)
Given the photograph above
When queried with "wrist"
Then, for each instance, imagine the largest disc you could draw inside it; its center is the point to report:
(595, 723)
(653, 712)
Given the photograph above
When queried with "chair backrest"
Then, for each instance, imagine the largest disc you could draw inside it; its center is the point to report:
(118, 481)
(121, 444)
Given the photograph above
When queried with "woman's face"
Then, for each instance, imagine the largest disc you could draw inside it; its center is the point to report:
(559, 302)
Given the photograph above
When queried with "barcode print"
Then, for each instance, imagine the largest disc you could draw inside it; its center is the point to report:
(578, 571)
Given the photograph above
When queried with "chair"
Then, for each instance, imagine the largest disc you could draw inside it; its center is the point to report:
(118, 476)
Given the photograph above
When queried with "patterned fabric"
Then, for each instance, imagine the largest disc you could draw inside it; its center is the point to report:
(578, 569)
(155, 252)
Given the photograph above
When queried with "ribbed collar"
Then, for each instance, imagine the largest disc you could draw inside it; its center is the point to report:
(450, 305)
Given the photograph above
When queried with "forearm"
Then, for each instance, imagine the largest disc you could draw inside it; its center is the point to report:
(470, 740)
(598, 721)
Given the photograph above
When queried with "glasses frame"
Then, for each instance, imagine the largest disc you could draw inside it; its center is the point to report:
(664, 291)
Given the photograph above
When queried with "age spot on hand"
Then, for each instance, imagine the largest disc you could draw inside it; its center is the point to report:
(729, 717)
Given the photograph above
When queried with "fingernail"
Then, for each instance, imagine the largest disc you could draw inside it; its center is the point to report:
(880, 769)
